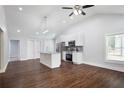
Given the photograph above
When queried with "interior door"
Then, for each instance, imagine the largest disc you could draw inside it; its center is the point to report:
(14, 50)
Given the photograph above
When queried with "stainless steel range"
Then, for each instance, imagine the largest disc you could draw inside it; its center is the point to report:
(69, 57)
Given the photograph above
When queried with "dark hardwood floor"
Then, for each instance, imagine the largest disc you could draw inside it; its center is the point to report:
(31, 74)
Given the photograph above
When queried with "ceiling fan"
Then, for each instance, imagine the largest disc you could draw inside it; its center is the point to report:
(78, 9)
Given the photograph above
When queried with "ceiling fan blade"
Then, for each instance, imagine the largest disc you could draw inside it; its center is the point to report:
(71, 14)
(67, 8)
(87, 6)
(83, 13)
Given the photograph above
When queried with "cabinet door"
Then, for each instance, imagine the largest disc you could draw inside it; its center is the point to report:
(79, 40)
(66, 43)
(64, 56)
(74, 58)
(77, 58)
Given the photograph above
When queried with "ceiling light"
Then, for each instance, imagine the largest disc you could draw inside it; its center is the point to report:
(37, 33)
(20, 8)
(45, 25)
(63, 21)
(79, 11)
(71, 17)
(75, 12)
(18, 31)
(44, 32)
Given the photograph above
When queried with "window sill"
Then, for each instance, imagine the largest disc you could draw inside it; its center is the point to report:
(115, 58)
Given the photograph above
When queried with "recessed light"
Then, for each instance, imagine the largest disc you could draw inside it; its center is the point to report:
(18, 31)
(20, 8)
(37, 33)
(44, 32)
(63, 21)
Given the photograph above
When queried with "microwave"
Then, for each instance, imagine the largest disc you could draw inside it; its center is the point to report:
(71, 43)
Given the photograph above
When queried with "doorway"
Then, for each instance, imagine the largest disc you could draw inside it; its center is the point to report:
(14, 54)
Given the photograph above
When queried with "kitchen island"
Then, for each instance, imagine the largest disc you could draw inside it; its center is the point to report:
(51, 60)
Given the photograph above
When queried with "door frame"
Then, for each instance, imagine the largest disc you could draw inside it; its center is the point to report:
(1, 48)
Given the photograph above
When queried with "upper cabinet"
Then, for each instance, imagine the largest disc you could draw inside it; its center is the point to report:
(79, 40)
(66, 43)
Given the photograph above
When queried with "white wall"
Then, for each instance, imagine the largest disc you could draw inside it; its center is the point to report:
(48, 45)
(33, 49)
(23, 49)
(25, 46)
(4, 40)
(37, 48)
(94, 30)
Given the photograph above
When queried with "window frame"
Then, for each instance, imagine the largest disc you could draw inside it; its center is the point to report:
(106, 47)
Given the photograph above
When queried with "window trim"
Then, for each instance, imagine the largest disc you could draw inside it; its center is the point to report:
(106, 48)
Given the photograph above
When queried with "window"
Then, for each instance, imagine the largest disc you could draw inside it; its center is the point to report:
(115, 47)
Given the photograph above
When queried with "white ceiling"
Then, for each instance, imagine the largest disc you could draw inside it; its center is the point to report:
(30, 20)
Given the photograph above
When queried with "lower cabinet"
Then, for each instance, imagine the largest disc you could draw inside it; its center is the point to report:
(64, 56)
(77, 57)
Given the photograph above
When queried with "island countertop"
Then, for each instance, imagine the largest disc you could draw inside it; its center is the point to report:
(49, 53)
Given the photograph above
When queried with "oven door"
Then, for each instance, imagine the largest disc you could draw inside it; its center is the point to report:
(69, 57)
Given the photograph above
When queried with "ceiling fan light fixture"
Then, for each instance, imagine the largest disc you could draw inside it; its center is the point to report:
(76, 12)
(79, 11)
(20, 8)
(71, 17)
(18, 30)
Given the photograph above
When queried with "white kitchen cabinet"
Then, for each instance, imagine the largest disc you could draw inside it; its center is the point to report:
(79, 40)
(66, 43)
(77, 57)
(64, 56)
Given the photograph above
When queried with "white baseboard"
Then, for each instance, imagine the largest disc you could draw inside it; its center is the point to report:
(80, 62)
(4, 69)
(24, 59)
(98, 65)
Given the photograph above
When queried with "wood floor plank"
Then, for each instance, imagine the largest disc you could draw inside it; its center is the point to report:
(31, 73)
